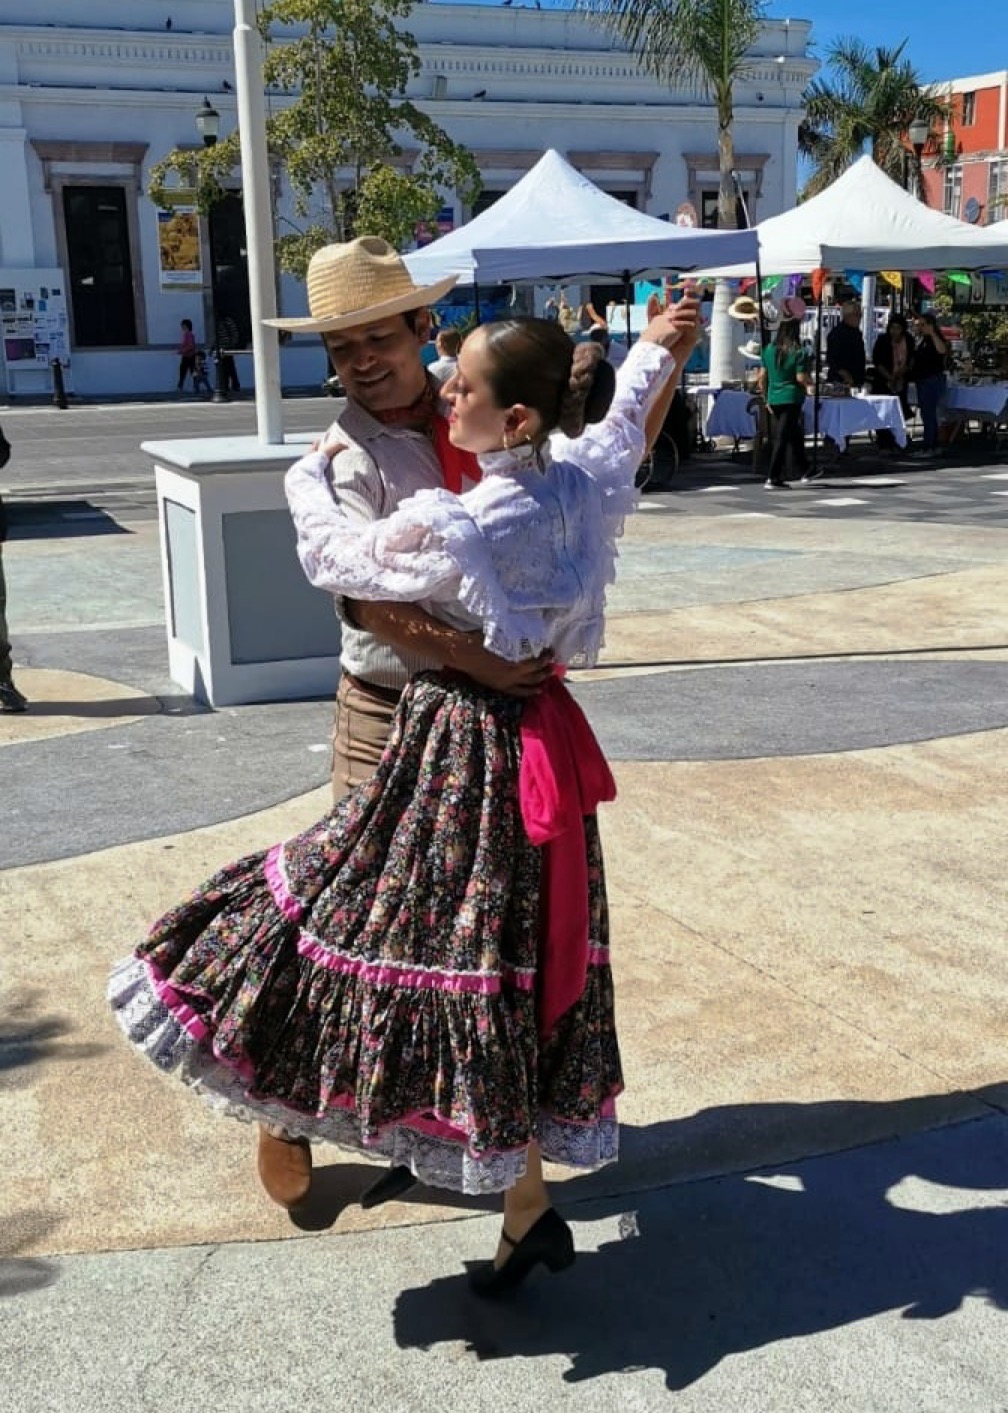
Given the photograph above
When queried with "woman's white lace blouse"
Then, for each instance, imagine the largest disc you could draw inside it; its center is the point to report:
(527, 555)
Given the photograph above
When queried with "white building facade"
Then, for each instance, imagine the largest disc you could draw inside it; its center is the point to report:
(92, 95)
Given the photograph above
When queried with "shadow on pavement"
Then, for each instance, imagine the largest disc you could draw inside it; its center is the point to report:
(21, 1274)
(27, 1036)
(59, 520)
(701, 1271)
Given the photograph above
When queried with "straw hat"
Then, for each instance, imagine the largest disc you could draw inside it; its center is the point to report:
(745, 309)
(359, 283)
(752, 351)
(792, 306)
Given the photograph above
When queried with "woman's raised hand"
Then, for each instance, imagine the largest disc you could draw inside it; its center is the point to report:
(677, 327)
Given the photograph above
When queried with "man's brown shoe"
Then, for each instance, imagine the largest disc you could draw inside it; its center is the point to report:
(285, 1166)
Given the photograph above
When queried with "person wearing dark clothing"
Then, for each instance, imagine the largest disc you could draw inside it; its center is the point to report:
(10, 698)
(845, 350)
(929, 364)
(228, 339)
(892, 358)
(783, 380)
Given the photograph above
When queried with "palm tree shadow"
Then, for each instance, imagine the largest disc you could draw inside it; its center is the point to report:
(21, 1274)
(704, 1270)
(28, 1036)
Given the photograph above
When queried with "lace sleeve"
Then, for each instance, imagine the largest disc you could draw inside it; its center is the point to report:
(397, 558)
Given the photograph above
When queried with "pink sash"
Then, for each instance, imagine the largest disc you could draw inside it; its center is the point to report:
(563, 777)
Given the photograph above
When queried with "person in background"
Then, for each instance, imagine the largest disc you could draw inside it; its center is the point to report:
(201, 377)
(228, 339)
(928, 372)
(845, 351)
(784, 381)
(448, 343)
(10, 698)
(892, 358)
(187, 354)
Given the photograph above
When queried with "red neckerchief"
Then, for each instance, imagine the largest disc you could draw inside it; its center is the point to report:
(423, 415)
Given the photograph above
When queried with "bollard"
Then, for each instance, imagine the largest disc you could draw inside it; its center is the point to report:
(59, 391)
(220, 392)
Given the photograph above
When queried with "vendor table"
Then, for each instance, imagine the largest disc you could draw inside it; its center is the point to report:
(842, 417)
(986, 403)
(729, 412)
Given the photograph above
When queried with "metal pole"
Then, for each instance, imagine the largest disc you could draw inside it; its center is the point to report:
(476, 301)
(627, 300)
(818, 373)
(258, 205)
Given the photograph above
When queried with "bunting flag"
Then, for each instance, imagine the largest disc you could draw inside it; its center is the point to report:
(855, 278)
(959, 277)
(770, 283)
(818, 282)
(927, 279)
(892, 277)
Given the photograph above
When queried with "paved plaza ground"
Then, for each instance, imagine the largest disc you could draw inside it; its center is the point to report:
(805, 699)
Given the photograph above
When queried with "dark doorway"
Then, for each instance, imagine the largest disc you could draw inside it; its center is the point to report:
(229, 269)
(101, 272)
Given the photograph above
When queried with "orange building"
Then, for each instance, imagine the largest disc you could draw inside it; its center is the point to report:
(965, 167)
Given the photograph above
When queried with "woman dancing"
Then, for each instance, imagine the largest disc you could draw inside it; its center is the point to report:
(424, 974)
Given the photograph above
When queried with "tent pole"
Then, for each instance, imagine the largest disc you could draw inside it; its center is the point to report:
(818, 374)
(627, 292)
(759, 301)
(476, 301)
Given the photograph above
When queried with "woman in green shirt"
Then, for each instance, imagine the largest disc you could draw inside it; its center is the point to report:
(783, 380)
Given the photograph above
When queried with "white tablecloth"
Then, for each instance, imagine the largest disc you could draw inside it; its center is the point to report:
(723, 412)
(985, 400)
(841, 417)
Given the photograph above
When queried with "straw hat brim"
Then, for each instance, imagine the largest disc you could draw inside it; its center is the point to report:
(417, 298)
(748, 354)
(747, 311)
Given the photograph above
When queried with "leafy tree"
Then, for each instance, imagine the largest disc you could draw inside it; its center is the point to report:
(696, 44)
(340, 69)
(868, 100)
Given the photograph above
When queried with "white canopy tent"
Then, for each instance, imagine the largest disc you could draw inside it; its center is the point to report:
(555, 224)
(864, 221)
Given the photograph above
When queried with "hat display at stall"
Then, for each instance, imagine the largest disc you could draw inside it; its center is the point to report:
(360, 282)
(752, 351)
(745, 309)
(792, 306)
(771, 314)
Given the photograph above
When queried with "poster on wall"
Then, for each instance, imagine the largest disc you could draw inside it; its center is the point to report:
(34, 328)
(179, 248)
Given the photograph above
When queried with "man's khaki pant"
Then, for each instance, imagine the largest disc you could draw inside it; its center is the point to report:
(360, 731)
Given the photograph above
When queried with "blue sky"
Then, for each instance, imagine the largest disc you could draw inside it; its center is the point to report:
(947, 38)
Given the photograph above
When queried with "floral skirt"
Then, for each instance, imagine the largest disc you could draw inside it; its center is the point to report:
(373, 981)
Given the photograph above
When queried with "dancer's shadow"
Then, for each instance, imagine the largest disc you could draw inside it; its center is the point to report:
(705, 1270)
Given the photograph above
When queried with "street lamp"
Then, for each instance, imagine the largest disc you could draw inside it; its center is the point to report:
(208, 123)
(918, 132)
(208, 126)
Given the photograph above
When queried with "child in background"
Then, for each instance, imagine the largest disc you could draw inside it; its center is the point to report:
(447, 343)
(200, 377)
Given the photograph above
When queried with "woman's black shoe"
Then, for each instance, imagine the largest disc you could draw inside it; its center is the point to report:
(388, 1187)
(549, 1240)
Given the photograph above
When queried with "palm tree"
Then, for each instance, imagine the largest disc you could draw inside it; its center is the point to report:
(697, 44)
(867, 101)
(702, 45)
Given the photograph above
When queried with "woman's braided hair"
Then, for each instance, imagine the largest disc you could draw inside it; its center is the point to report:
(533, 362)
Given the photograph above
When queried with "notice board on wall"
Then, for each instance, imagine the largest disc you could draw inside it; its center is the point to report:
(34, 328)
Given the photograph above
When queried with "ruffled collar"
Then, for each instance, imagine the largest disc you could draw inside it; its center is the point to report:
(515, 461)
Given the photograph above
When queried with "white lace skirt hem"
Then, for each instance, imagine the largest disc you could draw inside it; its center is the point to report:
(150, 1026)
